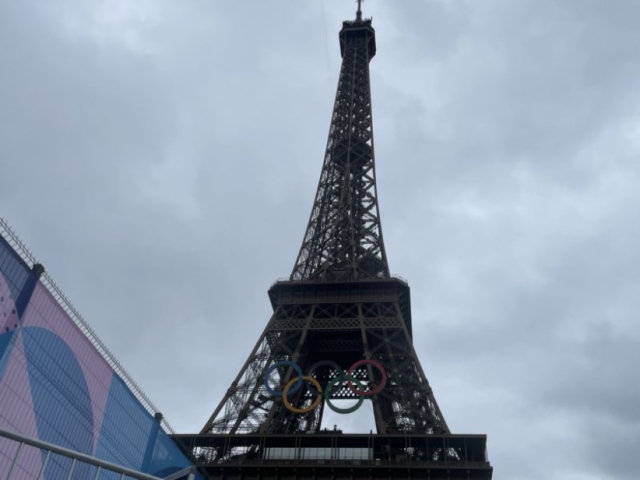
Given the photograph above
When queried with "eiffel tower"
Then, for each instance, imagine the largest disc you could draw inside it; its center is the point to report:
(341, 329)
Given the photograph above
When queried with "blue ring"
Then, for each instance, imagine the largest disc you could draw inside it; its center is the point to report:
(294, 389)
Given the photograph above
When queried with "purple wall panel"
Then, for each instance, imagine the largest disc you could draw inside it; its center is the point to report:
(8, 315)
(43, 311)
(17, 412)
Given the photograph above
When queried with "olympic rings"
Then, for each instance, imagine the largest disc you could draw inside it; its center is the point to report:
(276, 365)
(344, 410)
(376, 390)
(325, 363)
(315, 403)
(315, 388)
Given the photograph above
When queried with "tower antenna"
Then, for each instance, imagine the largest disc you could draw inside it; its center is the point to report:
(359, 12)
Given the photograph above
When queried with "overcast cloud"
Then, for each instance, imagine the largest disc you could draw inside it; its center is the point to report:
(160, 158)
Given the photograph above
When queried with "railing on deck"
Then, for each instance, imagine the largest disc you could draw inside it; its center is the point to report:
(288, 279)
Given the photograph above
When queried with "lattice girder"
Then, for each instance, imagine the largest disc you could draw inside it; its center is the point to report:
(341, 305)
(344, 235)
(343, 332)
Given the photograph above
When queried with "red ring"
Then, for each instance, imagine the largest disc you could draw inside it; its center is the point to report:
(376, 390)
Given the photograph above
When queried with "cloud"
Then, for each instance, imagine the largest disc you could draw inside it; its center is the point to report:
(161, 161)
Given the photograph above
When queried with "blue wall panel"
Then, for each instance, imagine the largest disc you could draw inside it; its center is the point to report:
(56, 386)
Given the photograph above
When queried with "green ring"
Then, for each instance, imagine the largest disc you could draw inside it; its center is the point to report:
(327, 393)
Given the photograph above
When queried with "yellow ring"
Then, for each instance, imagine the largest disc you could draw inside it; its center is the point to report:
(315, 403)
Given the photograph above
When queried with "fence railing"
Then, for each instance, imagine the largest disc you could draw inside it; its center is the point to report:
(49, 449)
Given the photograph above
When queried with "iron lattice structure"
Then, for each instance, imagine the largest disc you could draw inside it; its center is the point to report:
(344, 236)
(340, 304)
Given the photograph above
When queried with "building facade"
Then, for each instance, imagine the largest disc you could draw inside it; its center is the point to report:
(60, 385)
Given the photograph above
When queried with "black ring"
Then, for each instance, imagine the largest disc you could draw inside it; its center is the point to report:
(325, 363)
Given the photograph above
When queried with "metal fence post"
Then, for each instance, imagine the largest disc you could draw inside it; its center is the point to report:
(15, 460)
(44, 465)
(192, 474)
(73, 467)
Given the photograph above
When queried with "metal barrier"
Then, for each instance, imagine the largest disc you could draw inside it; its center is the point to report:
(101, 465)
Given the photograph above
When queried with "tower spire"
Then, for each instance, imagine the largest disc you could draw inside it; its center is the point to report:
(359, 12)
(344, 240)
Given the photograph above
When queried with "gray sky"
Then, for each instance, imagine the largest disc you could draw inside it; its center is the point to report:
(160, 158)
